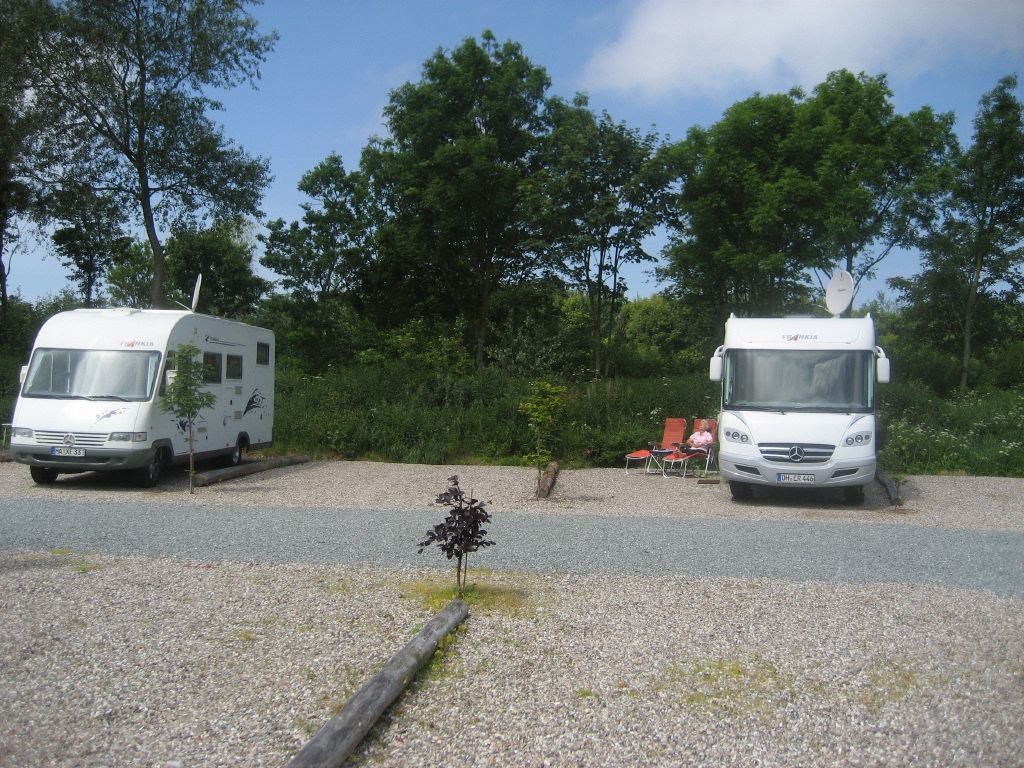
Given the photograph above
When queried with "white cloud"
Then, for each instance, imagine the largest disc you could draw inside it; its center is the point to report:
(709, 47)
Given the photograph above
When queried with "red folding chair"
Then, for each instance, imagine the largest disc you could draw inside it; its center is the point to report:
(672, 436)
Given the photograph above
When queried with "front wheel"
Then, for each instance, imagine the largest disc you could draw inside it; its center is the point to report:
(149, 475)
(853, 494)
(43, 475)
(741, 491)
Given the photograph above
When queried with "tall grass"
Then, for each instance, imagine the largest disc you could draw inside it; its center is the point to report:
(975, 433)
(397, 412)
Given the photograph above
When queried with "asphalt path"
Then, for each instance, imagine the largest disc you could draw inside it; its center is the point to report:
(856, 552)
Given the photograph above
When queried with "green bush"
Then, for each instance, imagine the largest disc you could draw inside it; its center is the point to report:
(400, 410)
(976, 433)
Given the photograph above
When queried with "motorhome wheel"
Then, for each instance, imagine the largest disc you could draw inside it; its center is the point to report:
(43, 475)
(853, 494)
(741, 491)
(149, 475)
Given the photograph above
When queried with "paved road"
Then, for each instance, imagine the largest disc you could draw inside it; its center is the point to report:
(795, 550)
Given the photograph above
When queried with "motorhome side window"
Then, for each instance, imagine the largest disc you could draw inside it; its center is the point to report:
(212, 368)
(262, 353)
(234, 367)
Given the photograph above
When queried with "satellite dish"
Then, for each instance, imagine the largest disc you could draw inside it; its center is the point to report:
(839, 294)
(195, 291)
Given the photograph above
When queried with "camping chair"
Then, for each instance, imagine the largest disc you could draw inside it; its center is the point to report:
(672, 435)
(685, 453)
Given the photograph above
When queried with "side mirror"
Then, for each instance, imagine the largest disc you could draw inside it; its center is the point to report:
(882, 370)
(22, 375)
(715, 369)
(169, 377)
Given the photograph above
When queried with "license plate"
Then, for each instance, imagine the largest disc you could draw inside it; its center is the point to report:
(786, 477)
(67, 451)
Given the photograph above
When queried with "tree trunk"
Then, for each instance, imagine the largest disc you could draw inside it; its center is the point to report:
(156, 288)
(191, 460)
(972, 298)
(3, 271)
(480, 329)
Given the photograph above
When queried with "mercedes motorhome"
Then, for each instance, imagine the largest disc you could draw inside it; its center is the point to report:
(798, 403)
(90, 394)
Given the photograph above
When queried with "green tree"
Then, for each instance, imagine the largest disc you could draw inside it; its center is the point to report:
(545, 408)
(973, 257)
(23, 123)
(787, 185)
(323, 256)
(134, 76)
(877, 172)
(322, 261)
(450, 183)
(130, 274)
(598, 198)
(89, 239)
(186, 396)
(223, 256)
(740, 222)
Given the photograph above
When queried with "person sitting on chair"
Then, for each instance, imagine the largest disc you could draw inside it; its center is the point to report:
(700, 439)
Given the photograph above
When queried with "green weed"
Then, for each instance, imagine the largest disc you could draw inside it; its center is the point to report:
(487, 598)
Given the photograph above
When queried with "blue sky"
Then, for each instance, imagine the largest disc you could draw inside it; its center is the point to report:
(655, 64)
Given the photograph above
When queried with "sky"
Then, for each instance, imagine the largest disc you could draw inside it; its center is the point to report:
(662, 65)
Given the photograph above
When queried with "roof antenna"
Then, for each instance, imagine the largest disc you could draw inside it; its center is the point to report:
(199, 282)
(839, 294)
(195, 295)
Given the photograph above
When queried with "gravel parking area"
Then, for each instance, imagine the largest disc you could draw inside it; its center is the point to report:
(173, 662)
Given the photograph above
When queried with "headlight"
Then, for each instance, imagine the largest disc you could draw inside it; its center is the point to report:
(736, 436)
(22, 432)
(128, 437)
(860, 438)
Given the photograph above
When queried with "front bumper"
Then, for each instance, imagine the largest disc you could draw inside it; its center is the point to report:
(836, 473)
(94, 460)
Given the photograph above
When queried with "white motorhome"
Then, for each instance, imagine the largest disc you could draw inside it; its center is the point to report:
(798, 403)
(90, 395)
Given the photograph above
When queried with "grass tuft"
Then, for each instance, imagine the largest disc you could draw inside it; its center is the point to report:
(487, 598)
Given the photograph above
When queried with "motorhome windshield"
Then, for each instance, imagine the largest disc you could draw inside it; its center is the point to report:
(92, 374)
(799, 380)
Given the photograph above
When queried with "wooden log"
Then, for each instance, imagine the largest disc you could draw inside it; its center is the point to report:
(340, 736)
(547, 480)
(246, 468)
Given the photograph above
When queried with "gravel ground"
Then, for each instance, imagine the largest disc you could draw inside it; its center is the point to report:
(132, 661)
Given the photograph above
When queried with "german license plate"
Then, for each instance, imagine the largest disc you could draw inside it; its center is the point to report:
(67, 451)
(789, 478)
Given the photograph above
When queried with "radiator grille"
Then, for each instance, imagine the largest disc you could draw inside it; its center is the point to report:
(81, 439)
(796, 453)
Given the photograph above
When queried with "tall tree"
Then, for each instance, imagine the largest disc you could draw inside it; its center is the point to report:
(788, 185)
(323, 256)
(130, 274)
(598, 198)
(451, 177)
(134, 75)
(877, 172)
(23, 122)
(88, 237)
(742, 225)
(323, 262)
(978, 242)
(223, 255)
